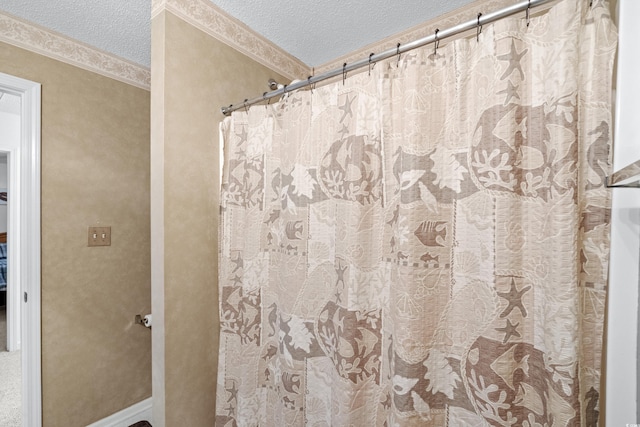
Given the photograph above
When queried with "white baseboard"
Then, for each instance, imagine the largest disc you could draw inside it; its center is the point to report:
(141, 411)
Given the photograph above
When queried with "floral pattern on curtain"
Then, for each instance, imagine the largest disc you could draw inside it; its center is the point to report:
(426, 245)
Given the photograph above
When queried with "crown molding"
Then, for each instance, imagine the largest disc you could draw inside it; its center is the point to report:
(42, 41)
(207, 17)
(419, 31)
(157, 6)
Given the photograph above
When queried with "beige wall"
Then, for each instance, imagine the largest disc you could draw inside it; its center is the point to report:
(193, 75)
(95, 171)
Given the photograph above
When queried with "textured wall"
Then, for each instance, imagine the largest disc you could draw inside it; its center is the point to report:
(95, 171)
(193, 76)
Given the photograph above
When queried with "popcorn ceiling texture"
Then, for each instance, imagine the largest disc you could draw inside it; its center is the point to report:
(121, 27)
(314, 32)
(317, 32)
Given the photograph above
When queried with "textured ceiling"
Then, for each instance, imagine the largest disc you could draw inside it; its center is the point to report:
(313, 31)
(121, 27)
(318, 31)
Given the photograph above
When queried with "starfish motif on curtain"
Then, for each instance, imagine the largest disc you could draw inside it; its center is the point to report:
(511, 91)
(509, 331)
(239, 262)
(340, 272)
(514, 298)
(230, 410)
(338, 296)
(233, 392)
(514, 58)
(346, 108)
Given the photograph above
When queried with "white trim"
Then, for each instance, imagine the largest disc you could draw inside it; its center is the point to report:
(29, 240)
(140, 411)
(44, 41)
(14, 337)
(156, 153)
(622, 321)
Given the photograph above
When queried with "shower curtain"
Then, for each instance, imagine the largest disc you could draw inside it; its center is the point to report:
(425, 243)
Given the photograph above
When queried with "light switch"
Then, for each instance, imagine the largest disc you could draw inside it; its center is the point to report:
(99, 236)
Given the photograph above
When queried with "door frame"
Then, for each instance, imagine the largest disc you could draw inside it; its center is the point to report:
(24, 230)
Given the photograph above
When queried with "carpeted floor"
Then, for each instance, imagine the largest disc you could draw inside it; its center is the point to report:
(10, 373)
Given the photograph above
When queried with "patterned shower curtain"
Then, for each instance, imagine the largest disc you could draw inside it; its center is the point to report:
(425, 244)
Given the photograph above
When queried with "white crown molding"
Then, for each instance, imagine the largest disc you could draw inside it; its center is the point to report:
(156, 7)
(450, 19)
(34, 38)
(209, 18)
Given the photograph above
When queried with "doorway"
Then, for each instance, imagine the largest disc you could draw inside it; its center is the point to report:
(23, 242)
(10, 368)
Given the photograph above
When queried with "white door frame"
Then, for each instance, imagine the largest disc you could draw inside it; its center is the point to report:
(24, 231)
(622, 323)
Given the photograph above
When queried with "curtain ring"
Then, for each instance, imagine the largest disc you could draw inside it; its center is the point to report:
(527, 13)
(344, 73)
(436, 44)
(478, 28)
(374, 64)
(398, 53)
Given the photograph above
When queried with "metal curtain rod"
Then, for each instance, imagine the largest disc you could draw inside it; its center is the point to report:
(481, 20)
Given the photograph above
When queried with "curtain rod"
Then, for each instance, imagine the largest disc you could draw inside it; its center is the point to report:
(481, 20)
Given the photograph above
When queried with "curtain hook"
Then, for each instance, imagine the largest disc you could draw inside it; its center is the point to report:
(398, 53)
(528, 13)
(264, 98)
(344, 73)
(374, 64)
(245, 106)
(591, 3)
(437, 43)
(311, 85)
(478, 28)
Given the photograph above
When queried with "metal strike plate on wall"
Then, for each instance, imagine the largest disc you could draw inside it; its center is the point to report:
(627, 177)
